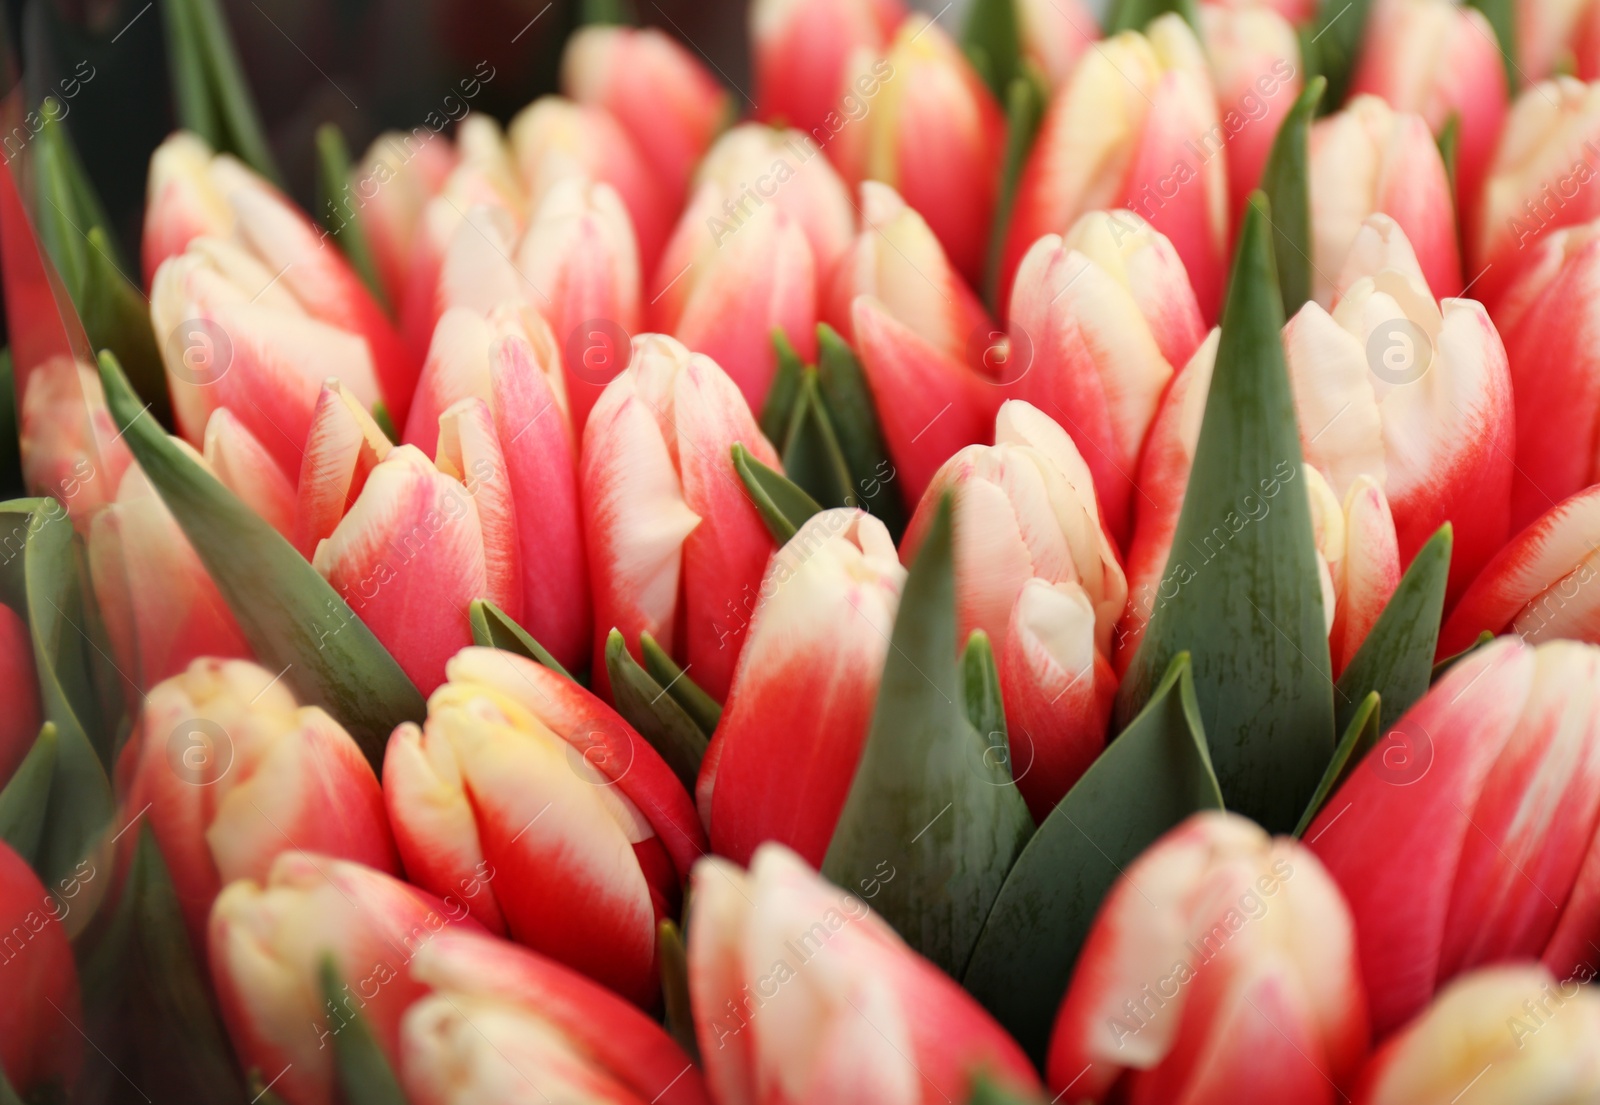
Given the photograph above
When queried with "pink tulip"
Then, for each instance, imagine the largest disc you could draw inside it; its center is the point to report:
(501, 1021)
(71, 449)
(1255, 65)
(1586, 44)
(801, 993)
(807, 679)
(1544, 36)
(231, 773)
(1103, 318)
(521, 772)
(1537, 587)
(390, 189)
(20, 726)
(1439, 60)
(1025, 511)
(676, 547)
(1055, 33)
(245, 467)
(1295, 11)
(1467, 835)
(1135, 125)
(268, 942)
(660, 93)
(1510, 1035)
(1366, 159)
(1358, 558)
(40, 1019)
(1221, 968)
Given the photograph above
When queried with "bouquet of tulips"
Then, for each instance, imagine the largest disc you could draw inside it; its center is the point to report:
(1027, 555)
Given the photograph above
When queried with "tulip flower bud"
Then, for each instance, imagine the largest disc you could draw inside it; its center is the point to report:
(391, 188)
(1466, 837)
(675, 544)
(656, 89)
(19, 679)
(233, 773)
(269, 942)
(1368, 159)
(1054, 34)
(1544, 36)
(40, 1018)
(520, 772)
(801, 993)
(1255, 66)
(807, 679)
(1509, 1034)
(805, 52)
(1103, 318)
(1358, 556)
(1135, 125)
(1221, 967)
(245, 467)
(71, 449)
(1439, 60)
(1025, 509)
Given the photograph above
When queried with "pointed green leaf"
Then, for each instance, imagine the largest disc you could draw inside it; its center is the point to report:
(1025, 100)
(986, 1091)
(294, 621)
(993, 40)
(843, 388)
(1449, 147)
(1396, 659)
(336, 208)
(1286, 180)
(675, 987)
(208, 83)
(927, 796)
(26, 798)
(1451, 661)
(380, 415)
(1331, 45)
(1148, 780)
(360, 1067)
(1359, 737)
(1242, 573)
(705, 710)
(492, 627)
(784, 507)
(778, 409)
(654, 714)
(1135, 15)
(1502, 17)
(980, 690)
(812, 459)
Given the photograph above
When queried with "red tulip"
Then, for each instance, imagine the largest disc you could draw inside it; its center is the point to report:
(1025, 512)
(520, 772)
(1099, 322)
(1467, 836)
(1221, 968)
(20, 680)
(1055, 33)
(231, 773)
(1135, 125)
(246, 467)
(1255, 65)
(1367, 159)
(800, 993)
(40, 1020)
(71, 449)
(676, 547)
(785, 752)
(1358, 557)
(390, 189)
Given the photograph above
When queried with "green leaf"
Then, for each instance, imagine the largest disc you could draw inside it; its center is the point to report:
(1451, 661)
(492, 627)
(1359, 737)
(360, 1067)
(1502, 17)
(980, 690)
(336, 212)
(1286, 180)
(675, 987)
(24, 803)
(784, 507)
(778, 409)
(705, 710)
(1136, 15)
(843, 388)
(655, 714)
(1449, 147)
(1150, 779)
(927, 797)
(986, 1091)
(1245, 598)
(1331, 45)
(619, 12)
(293, 620)
(1025, 100)
(1396, 659)
(213, 99)
(993, 40)
(812, 459)
(8, 1094)
(380, 415)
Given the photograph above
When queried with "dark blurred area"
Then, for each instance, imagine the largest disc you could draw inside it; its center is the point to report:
(367, 65)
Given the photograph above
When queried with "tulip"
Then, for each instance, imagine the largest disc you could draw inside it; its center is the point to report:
(1135, 125)
(1295, 11)
(1054, 34)
(20, 727)
(232, 773)
(40, 1018)
(1255, 66)
(807, 680)
(269, 941)
(897, 259)
(1586, 44)
(245, 467)
(1511, 1035)
(1220, 968)
(1439, 60)
(1366, 159)
(1538, 585)
(251, 311)
(1414, 393)
(1544, 35)
(391, 188)
(656, 89)
(1467, 836)
(1103, 318)
(935, 134)
(1358, 559)
(70, 447)
(801, 993)
(1025, 511)
(500, 1020)
(520, 769)
(675, 544)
